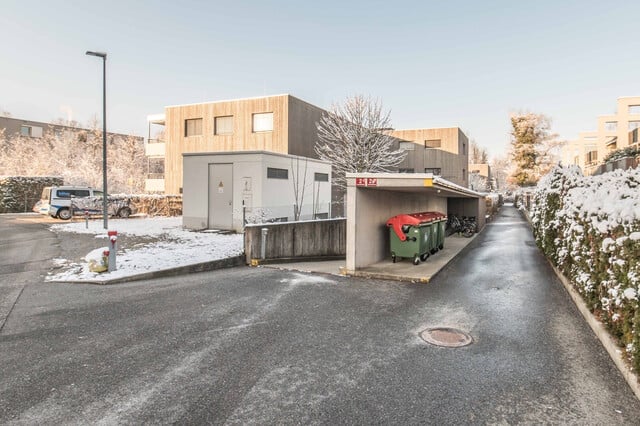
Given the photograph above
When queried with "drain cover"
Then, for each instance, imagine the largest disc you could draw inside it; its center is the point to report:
(446, 337)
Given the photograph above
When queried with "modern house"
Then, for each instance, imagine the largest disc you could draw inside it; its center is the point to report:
(279, 124)
(443, 152)
(614, 131)
(480, 178)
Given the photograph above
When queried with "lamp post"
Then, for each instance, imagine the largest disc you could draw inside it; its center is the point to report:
(103, 55)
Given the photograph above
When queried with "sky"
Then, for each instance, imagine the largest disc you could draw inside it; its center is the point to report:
(431, 63)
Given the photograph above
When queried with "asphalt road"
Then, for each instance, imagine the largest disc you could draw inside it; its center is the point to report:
(262, 346)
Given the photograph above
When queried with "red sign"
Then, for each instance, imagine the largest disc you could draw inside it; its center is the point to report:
(366, 182)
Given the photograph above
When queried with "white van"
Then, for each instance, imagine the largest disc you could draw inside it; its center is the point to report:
(64, 201)
(60, 198)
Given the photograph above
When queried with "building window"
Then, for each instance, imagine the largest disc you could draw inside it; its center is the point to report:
(156, 168)
(223, 125)
(432, 143)
(193, 127)
(576, 160)
(464, 174)
(634, 109)
(434, 171)
(591, 157)
(273, 173)
(611, 126)
(263, 122)
(406, 171)
(407, 146)
(634, 125)
(634, 136)
(321, 177)
(464, 148)
(32, 131)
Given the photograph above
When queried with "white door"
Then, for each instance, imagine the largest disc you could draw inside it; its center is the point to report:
(221, 196)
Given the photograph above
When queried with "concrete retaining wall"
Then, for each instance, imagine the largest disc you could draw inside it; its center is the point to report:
(309, 239)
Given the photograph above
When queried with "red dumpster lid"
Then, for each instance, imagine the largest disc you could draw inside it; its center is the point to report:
(397, 221)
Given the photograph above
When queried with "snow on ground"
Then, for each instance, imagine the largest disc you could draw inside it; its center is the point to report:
(174, 247)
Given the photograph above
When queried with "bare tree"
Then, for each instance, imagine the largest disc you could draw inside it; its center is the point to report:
(477, 154)
(352, 137)
(298, 187)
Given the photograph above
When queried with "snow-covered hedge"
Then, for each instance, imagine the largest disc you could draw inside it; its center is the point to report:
(18, 194)
(155, 204)
(589, 226)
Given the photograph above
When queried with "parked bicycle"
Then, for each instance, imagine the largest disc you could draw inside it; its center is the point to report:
(465, 226)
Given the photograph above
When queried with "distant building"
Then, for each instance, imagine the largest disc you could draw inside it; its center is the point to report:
(38, 129)
(443, 152)
(614, 131)
(482, 171)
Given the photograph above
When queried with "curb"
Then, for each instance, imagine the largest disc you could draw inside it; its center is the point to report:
(229, 262)
(598, 328)
(601, 333)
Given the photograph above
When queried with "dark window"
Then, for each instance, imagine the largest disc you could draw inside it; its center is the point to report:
(591, 157)
(406, 171)
(80, 193)
(273, 173)
(193, 127)
(321, 177)
(432, 143)
(434, 171)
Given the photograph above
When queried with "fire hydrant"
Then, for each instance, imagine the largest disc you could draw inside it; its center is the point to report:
(113, 239)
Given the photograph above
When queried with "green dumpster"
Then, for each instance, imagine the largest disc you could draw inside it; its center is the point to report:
(411, 236)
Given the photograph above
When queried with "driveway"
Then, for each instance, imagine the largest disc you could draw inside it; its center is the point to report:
(263, 346)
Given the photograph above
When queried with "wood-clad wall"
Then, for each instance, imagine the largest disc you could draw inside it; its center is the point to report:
(242, 139)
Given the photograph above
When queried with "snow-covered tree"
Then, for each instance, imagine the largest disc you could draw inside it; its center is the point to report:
(477, 154)
(352, 137)
(533, 147)
(477, 182)
(76, 155)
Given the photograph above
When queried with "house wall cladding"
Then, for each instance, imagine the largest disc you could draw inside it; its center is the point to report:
(297, 239)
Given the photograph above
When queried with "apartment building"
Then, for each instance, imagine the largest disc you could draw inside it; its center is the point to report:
(39, 129)
(279, 124)
(614, 131)
(443, 152)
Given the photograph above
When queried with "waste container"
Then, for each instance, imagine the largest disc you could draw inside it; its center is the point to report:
(439, 221)
(411, 236)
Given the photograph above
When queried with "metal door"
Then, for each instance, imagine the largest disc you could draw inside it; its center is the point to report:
(221, 196)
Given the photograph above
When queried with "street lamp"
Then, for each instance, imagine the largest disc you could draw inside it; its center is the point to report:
(104, 133)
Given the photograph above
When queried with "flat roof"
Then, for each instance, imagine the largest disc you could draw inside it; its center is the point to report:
(410, 182)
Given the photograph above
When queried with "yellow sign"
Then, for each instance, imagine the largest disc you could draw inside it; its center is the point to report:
(428, 182)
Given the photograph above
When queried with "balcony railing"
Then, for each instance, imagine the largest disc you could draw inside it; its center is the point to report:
(154, 148)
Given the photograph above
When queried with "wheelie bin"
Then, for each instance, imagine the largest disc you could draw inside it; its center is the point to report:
(411, 236)
(439, 221)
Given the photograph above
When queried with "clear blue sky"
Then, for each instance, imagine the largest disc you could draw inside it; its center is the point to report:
(432, 63)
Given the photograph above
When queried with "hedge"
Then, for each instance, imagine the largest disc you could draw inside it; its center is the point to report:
(589, 227)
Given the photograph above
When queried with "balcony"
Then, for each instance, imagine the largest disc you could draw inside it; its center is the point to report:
(154, 148)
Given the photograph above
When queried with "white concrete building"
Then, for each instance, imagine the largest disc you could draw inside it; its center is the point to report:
(225, 190)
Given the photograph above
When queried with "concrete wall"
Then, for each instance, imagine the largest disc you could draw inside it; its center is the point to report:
(274, 196)
(369, 210)
(297, 239)
(469, 207)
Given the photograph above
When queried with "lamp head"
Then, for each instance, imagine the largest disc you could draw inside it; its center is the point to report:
(102, 55)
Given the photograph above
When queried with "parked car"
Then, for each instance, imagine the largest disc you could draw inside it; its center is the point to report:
(64, 201)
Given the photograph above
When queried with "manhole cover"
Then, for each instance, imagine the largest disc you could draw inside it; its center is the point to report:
(446, 337)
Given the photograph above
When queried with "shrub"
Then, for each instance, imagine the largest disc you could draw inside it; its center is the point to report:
(589, 227)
